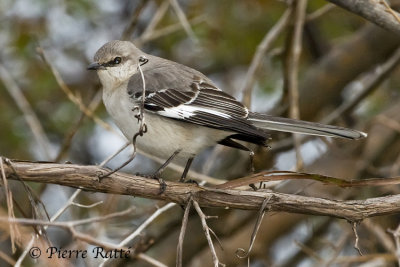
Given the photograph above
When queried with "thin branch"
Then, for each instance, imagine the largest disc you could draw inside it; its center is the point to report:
(356, 242)
(10, 208)
(270, 176)
(71, 96)
(310, 252)
(143, 226)
(60, 211)
(134, 19)
(29, 114)
(167, 30)
(293, 60)
(206, 230)
(86, 177)
(150, 260)
(66, 143)
(158, 15)
(7, 258)
(388, 122)
(396, 236)
(184, 21)
(374, 12)
(374, 80)
(320, 12)
(179, 249)
(87, 206)
(241, 253)
(67, 224)
(262, 48)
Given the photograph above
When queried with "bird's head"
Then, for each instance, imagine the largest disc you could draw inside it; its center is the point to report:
(115, 62)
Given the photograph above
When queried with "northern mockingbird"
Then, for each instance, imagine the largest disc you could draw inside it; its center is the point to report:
(184, 111)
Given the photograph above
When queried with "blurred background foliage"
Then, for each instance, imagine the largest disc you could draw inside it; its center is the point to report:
(227, 34)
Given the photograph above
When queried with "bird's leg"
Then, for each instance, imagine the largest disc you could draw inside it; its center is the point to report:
(186, 170)
(157, 174)
(231, 143)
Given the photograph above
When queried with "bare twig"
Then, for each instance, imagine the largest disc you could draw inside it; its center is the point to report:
(70, 202)
(152, 35)
(388, 122)
(148, 221)
(396, 236)
(206, 230)
(320, 12)
(269, 176)
(150, 260)
(71, 96)
(183, 20)
(309, 251)
(380, 234)
(262, 48)
(368, 257)
(179, 250)
(134, 19)
(7, 258)
(241, 253)
(372, 11)
(10, 208)
(390, 10)
(293, 59)
(356, 242)
(29, 114)
(372, 83)
(67, 224)
(158, 15)
(66, 143)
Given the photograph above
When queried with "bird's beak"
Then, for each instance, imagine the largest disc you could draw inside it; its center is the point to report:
(95, 66)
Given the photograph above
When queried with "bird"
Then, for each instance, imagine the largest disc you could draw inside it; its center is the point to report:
(184, 111)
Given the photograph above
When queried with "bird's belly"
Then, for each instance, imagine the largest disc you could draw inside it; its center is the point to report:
(164, 136)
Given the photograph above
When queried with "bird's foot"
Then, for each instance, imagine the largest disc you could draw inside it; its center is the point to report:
(191, 181)
(156, 176)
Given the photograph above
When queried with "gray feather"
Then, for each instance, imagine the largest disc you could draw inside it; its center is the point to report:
(268, 122)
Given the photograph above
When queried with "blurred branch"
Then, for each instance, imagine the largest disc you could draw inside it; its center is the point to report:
(320, 12)
(29, 114)
(70, 202)
(291, 70)
(183, 20)
(87, 178)
(71, 96)
(262, 48)
(154, 34)
(207, 231)
(141, 228)
(369, 85)
(373, 81)
(326, 79)
(128, 31)
(377, 12)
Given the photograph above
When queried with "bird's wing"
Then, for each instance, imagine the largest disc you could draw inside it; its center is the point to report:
(181, 94)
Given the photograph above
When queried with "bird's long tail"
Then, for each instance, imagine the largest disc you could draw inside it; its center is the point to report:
(268, 122)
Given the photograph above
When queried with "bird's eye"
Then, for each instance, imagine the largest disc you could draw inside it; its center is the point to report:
(117, 60)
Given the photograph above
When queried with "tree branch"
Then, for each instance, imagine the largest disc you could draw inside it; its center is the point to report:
(373, 11)
(86, 178)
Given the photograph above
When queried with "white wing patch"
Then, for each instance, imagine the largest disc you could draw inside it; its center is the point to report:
(186, 111)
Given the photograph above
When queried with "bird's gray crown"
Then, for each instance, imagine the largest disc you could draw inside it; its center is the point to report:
(117, 48)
